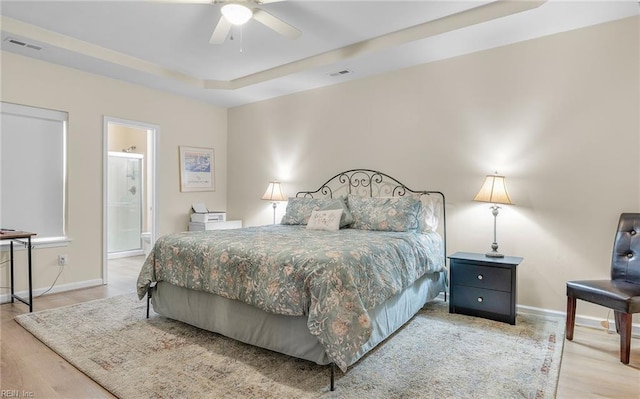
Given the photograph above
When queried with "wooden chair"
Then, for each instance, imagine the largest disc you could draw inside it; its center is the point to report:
(622, 292)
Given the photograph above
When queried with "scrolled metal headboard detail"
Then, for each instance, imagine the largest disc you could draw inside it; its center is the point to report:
(364, 183)
(371, 183)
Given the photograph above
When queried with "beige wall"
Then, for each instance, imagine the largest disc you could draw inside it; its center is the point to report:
(557, 115)
(88, 98)
(123, 137)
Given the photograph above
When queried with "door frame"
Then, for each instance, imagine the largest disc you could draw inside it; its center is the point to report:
(153, 196)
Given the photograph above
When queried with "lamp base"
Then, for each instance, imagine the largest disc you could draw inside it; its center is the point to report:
(275, 204)
(494, 255)
(494, 247)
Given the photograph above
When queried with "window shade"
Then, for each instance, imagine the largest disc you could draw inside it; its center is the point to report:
(32, 169)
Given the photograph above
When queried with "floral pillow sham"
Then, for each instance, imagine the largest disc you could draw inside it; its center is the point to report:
(385, 214)
(299, 209)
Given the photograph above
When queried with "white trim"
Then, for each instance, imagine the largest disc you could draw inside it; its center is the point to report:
(44, 242)
(34, 112)
(6, 298)
(125, 154)
(105, 198)
(125, 254)
(585, 321)
(153, 198)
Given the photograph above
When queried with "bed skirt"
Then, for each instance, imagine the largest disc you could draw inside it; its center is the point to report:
(286, 334)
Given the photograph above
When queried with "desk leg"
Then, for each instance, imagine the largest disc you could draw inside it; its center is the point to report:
(29, 265)
(11, 263)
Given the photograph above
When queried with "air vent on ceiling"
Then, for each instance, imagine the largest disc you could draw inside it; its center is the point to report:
(340, 73)
(22, 43)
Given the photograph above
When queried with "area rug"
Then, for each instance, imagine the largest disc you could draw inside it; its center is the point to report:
(435, 355)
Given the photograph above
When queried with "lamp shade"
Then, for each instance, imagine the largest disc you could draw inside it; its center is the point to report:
(237, 14)
(494, 190)
(274, 192)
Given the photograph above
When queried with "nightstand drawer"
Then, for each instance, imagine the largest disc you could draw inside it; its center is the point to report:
(494, 278)
(483, 300)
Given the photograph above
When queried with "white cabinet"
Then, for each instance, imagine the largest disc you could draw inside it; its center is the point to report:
(201, 226)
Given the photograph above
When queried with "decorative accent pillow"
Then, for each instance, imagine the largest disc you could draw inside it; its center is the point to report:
(385, 214)
(299, 209)
(340, 203)
(325, 220)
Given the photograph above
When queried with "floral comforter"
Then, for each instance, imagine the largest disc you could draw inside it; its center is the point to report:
(334, 277)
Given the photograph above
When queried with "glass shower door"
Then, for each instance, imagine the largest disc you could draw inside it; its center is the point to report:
(124, 188)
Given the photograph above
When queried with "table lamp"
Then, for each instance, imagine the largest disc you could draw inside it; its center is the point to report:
(273, 194)
(494, 190)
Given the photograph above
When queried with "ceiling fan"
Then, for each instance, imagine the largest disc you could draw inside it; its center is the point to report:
(239, 12)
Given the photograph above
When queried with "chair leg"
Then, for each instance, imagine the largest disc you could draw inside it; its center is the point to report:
(571, 317)
(623, 327)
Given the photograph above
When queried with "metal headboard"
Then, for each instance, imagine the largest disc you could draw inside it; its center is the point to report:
(371, 183)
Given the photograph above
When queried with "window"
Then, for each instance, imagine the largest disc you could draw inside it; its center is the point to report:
(33, 170)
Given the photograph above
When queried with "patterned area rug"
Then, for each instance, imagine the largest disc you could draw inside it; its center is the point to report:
(435, 355)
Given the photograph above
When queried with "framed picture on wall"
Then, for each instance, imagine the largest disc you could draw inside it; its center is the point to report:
(197, 168)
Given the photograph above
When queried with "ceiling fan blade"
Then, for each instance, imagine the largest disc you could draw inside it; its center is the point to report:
(276, 24)
(268, 1)
(221, 31)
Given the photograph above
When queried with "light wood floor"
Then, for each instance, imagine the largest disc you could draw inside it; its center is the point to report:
(590, 364)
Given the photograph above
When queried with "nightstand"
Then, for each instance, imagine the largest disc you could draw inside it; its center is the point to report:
(483, 287)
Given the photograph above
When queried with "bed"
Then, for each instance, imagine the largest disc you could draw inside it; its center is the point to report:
(349, 264)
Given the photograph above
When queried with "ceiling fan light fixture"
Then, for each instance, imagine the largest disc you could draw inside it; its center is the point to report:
(237, 14)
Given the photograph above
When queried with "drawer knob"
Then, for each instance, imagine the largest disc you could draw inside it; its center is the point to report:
(480, 276)
(480, 299)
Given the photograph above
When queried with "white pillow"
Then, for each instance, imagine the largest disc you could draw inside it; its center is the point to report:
(325, 220)
(430, 212)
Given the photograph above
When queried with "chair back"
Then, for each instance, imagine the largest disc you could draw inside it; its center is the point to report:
(625, 264)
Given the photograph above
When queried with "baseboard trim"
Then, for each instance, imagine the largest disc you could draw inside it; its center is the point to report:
(585, 321)
(6, 298)
(581, 320)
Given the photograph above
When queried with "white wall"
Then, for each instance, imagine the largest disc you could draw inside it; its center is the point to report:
(557, 115)
(88, 98)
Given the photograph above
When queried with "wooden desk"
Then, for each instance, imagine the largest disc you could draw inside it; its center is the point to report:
(20, 236)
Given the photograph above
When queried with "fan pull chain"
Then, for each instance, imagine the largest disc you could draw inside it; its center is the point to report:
(231, 37)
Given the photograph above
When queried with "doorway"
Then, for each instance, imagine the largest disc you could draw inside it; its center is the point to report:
(126, 202)
(129, 190)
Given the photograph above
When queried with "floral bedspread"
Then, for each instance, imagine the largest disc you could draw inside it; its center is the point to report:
(334, 277)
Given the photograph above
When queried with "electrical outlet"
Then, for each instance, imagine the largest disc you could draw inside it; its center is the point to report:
(62, 260)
